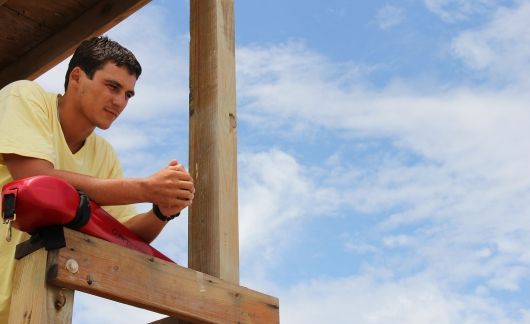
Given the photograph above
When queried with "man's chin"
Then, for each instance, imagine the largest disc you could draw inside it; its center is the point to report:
(104, 126)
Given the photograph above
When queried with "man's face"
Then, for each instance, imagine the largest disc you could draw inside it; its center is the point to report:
(104, 97)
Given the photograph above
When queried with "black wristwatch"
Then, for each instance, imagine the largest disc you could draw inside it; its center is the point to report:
(161, 216)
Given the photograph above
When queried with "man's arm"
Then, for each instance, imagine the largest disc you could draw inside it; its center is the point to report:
(145, 225)
(166, 188)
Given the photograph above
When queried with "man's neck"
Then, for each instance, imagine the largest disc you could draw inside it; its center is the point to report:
(74, 130)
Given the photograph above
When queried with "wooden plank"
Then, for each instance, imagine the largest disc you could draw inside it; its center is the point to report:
(26, 23)
(50, 14)
(130, 277)
(95, 21)
(19, 32)
(33, 300)
(213, 217)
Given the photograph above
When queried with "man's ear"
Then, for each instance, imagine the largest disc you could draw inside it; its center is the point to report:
(75, 75)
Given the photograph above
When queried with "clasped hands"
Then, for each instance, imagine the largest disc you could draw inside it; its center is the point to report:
(171, 188)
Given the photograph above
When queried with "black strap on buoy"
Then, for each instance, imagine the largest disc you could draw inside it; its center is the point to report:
(82, 215)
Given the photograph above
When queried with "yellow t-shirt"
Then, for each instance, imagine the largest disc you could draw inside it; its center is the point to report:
(29, 126)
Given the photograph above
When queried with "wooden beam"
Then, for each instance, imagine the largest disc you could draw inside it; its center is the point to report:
(131, 277)
(34, 301)
(213, 217)
(96, 21)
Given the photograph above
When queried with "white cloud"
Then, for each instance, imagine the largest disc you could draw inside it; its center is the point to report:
(500, 47)
(355, 247)
(90, 309)
(377, 298)
(275, 194)
(455, 184)
(438, 127)
(389, 16)
(455, 10)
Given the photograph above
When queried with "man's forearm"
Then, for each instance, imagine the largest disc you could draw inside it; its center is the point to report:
(105, 192)
(146, 225)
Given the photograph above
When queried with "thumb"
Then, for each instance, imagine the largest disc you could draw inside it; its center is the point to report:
(173, 163)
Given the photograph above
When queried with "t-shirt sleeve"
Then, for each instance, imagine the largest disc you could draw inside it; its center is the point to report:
(25, 127)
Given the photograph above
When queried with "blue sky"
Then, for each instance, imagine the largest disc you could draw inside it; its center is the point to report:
(382, 155)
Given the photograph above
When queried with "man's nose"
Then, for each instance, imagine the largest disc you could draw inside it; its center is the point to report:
(119, 101)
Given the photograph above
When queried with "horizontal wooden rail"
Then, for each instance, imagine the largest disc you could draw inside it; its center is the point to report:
(104, 269)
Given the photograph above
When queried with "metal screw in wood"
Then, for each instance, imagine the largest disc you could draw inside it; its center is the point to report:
(72, 266)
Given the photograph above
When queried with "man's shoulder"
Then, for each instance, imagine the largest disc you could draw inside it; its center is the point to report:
(28, 90)
(23, 87)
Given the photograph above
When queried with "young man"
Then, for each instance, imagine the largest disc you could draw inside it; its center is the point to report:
(49, 134)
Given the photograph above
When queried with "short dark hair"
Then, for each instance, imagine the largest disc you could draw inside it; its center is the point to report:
(92, 54)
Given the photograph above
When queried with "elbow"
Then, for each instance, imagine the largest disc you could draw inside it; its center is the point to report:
(21, 167)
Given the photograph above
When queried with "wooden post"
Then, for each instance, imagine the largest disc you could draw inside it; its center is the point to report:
(213, 218)
(35, 301)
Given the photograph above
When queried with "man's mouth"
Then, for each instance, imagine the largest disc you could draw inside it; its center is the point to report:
(112, 112)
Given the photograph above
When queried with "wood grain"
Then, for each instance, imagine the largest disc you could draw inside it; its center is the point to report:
(35, 301)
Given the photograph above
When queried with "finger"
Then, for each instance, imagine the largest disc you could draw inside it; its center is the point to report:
(185, 195)
(184, 176)
(173, 203)
(177, 167)
(173, 163)
(183, 203)
(168, 195)
(185, 185)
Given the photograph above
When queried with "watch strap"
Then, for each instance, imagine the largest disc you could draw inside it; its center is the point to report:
(161, 216)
